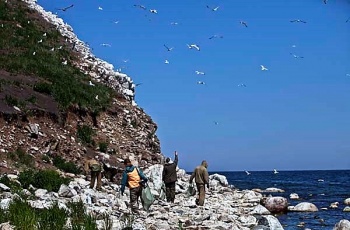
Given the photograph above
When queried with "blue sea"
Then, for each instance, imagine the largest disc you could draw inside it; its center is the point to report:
(321, 187)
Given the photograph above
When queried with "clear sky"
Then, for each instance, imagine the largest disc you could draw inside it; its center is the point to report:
(294, 116)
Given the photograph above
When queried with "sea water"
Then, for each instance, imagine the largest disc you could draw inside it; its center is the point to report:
(321, 187)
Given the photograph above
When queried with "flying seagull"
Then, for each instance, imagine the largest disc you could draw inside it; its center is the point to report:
(248, 173)
(243, 23)
(65, 8)
(65, 62)
(275, 171)
(296, 56)
(242, 85)
(348, 74)
(91, 84)
(216, 123)
(140, 6)
(34, 53)
(100, 8)
(168, 48)
(199, 72)
(200, 82)
(347, 20)
(193, 46)
(263, 68)
(325, 1)
(174, 23)
(297, 20)
(213, 9)
(138, 84)
(96, 97)
(216, 36)
(40, 41)
(166, 62)
(105, 44)
(153, 11)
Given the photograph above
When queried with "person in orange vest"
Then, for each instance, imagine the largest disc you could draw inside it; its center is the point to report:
(133, 178)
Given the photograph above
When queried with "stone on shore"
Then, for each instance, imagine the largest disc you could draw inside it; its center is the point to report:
(276, 204)
(342, 225)
(303, 207)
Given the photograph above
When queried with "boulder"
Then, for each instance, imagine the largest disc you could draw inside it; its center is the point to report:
(346, 209)
(294, 196)
(66, 191)
(347, 201)
(268, 222)
(276, 204)
(260, 210)
(342, 225)
(303, 207)
(220, 178)
(4, 188)
(274, 190)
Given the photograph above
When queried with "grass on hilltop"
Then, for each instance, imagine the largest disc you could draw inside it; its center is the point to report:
(20, 35)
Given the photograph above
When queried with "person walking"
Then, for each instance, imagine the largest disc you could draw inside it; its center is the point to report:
(133, 178)
(170, 177)
(201, 177)
(95, 171)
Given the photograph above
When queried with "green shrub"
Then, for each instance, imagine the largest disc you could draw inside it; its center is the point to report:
(66, 166)
(52, 218)
(22, 215)
(11, 101)
(103, 146)
(85, 134)
(21, 157)
(77, 212)
(45, 179)
(32, 99)
(43, 87)
(3, 216)
(45, 158)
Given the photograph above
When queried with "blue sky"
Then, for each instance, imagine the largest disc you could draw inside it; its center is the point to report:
(295, 116)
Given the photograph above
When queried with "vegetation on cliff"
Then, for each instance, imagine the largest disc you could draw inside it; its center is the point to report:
(38, 53)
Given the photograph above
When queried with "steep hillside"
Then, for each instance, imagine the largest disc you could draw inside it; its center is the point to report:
(58, 99)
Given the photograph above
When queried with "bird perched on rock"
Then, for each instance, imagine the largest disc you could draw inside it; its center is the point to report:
(193, 46)
(66, 8)
(298, 20)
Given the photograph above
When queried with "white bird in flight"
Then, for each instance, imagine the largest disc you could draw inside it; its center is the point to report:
(105, 45)
(263, 68)
(275, 171)
(193, 46)
(296, 56)
(153, 11)
(216, 36)
(199, 72)
(65, 62)
(243, 23)
(348, 74)
(248, 173)
(140, 6)
(242, 85)
(298, 20)
(91, 84)
(100, 8)
(166, 61)
(174, 23)
(216, 123)
(200, 82)
(213, 9)
(168, 48)
(96, 97)
(40, 41)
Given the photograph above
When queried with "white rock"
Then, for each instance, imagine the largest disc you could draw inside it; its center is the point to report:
(4, 188)
(342, 225)
(40, 192)
(273, 190)
(66, 191)
(304, 207)
(4, 203)
(294, 196)
(260, 210)
(222, 179)
(347, 201)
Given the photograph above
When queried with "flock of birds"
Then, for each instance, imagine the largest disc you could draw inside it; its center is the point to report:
(196, 47)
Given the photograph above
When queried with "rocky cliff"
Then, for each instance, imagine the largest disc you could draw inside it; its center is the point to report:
(58, 99)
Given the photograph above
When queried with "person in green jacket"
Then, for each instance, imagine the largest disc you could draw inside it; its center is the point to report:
(201, 177)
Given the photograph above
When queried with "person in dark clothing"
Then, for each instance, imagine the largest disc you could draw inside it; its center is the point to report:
(201, 177)
(170, 178)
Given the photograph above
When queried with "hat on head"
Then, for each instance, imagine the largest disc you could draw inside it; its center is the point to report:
(127, 161)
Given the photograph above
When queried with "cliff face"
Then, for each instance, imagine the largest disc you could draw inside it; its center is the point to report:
(57, 98)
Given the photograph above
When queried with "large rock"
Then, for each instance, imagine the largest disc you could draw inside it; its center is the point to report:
(276, 204)
(303, 207)
(268, 223)
(220, 178)
(66, 191)
(342, 225)
(260, 210)
(4, 188)
(347, 201)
